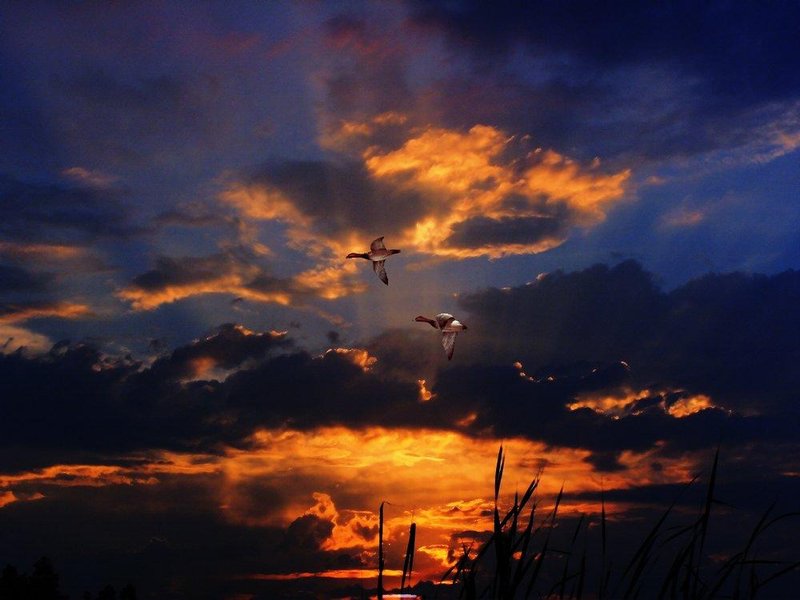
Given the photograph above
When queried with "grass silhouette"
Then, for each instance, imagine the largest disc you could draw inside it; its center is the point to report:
(521, 559)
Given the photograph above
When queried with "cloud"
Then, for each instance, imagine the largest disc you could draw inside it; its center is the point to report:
(719, 335)
(58, 214)
(88, 177)
(15, 338)
(659, 97)
(444, 193)
(235, 272)
(16, 279)
(686, 371)
(720, 45)
(282, 450)
(20, 312)
(40, 252)
(227, 348)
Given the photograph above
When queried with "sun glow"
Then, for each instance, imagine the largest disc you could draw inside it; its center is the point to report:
(441, 480)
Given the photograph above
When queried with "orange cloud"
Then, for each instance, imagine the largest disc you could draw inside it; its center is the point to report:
(377, 464)
(424, 393)
(90, 177)
(470, 178)
(41, 252)
(231, 273)
(480, 193)
(328, 574)
(355, 530)
(62, 310)
(145, 299)
(7, 498)
(441, 480)
(359, 357)
(625, 402)
(88, 475)
(684, 407)
(14, 338)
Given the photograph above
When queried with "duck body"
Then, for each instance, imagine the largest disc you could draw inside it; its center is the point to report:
(449, 326)
(378, 253)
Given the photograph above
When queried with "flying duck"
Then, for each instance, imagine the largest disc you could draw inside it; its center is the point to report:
(377, 254)
(449, 327)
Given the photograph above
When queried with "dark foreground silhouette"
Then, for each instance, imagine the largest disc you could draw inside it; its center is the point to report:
(43, 584)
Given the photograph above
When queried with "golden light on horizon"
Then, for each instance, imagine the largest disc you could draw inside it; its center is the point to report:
(441, 480)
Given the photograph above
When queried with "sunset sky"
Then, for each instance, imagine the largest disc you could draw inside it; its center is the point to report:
(199, 393)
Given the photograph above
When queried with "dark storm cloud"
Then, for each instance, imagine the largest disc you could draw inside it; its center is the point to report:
(342, 196)
(367, 74)
(53, 212)
(161, 537)
(727, 338)
(189, 215)
(600, 314)
(138, 119)
(73, 401)
(724, 335)
(16, 279)
(181, 271)
(227, 348)
(151, 96)
(236, 270)
(628, 83)
(744, 51)
(332, 390)
(483, 231)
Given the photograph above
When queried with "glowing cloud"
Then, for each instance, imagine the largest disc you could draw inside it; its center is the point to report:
(359, 357)
(676, 403)
(41, 252)
(453, 194)
(14, 338)
(175, 279)
(16, 313)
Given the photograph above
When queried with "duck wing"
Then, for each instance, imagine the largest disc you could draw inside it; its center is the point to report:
(443, 319)
(449, 343)
(380, 270)
(377, 245)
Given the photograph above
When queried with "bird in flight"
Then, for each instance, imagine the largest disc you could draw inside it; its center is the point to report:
(449, 327)
(377, 254)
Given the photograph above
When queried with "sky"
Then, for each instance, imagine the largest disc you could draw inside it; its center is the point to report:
(200, 394)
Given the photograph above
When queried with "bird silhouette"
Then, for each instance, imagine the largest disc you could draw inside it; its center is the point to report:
(377, 254)
(449, 327)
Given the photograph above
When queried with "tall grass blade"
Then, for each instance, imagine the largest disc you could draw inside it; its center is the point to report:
(638, 563)
(380, 552)
(498, 473)
(603, 542)
(408, 563)
(539, 560)
(523, 564)
(704, 522)
(564, 578)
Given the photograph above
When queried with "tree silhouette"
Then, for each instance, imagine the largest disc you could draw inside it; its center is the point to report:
(127, 593)
(12, 584)
(42, 584)
(107, 593)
